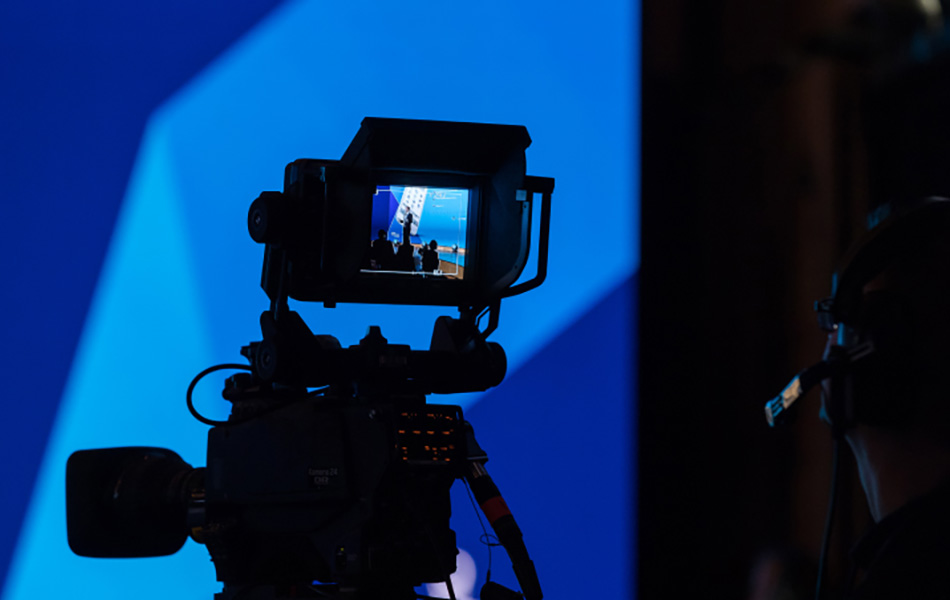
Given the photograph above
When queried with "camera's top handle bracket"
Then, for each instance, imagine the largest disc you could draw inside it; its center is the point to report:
(458, 360)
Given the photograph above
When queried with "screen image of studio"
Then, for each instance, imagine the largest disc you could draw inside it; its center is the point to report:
(418, 231)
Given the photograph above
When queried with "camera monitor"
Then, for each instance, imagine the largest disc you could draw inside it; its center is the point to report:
(415, 212)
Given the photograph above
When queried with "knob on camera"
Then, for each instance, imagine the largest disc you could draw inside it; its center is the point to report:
(265, 218)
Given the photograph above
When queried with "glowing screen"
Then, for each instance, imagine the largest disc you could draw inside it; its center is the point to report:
(419, 230)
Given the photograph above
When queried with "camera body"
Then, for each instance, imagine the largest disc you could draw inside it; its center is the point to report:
(346, 484)
(335, 491)
(352, 492)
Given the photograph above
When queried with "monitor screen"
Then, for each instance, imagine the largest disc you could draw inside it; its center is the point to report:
(418, 231)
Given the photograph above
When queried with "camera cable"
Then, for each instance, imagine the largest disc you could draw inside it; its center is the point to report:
(829, 518)
(486, 538)
(191, 388)
(506, 529)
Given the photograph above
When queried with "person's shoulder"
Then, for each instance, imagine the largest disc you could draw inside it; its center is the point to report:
(907, 555)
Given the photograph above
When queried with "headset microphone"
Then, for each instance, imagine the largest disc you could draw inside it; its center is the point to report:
(838, 361)
(775, 409)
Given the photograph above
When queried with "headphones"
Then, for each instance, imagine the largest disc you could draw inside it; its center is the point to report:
(869, 365)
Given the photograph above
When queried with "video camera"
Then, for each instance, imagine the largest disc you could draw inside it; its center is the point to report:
(331, 476)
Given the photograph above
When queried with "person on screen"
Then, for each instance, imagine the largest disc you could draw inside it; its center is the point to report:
(405, 259)
(382, 252)
(407, 227)
(430, 257)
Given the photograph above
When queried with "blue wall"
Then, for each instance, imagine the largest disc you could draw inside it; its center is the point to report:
(135, 139)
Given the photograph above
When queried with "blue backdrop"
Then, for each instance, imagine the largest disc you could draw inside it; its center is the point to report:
(136, 137)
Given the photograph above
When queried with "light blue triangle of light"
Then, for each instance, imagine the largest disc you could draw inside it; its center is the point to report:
(179, 290)
(145, 338)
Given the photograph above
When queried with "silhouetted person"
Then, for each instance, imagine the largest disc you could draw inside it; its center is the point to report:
(407, 227)
(405, 260)
(430, 257)
(382, 252)
(892, 406)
